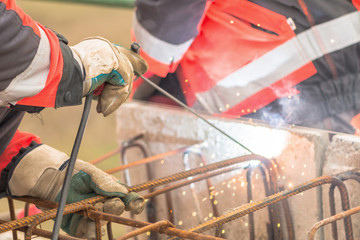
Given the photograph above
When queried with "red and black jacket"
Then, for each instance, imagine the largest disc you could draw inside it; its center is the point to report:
(297, 59)
(37, 70)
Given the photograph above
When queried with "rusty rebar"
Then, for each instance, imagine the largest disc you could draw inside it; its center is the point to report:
(47, 215)
(288, 217)
(254, 206)
(12, 216)
(109, 231)
(152, 227)
(146, 160)
(138, 224)
(336, 217)
(44, 233)
(345, 206)
(187, 182)
(348, 175)
(193, 172)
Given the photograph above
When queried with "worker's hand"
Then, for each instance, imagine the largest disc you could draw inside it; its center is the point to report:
(41, 172)
(109, 67)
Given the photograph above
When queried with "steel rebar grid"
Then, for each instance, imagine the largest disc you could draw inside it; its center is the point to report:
(349, 175)
(152, 227)
(344, 204)
(194, 172)
(44, 233)
(336, 217)
(147, 160)
(47, 215)
(79, 208)
(251, 207)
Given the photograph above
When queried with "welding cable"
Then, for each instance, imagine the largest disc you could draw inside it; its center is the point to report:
(191, 110)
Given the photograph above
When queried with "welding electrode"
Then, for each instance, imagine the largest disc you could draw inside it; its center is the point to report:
(135, 47)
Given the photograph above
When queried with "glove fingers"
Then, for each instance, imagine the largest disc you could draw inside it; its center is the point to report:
(114, 206)
(139, 64)
(112, 97)
(134, 202)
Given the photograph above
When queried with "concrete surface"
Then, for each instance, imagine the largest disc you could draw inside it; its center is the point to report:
(300, 154)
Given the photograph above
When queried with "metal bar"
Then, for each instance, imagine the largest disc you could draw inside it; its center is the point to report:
(345, 206)
(254, 206)
(44, 233)
(146, 160)
(336, 217)
(192, 111)
(71, 166)
(50, 214)
(193, 172)
(109, 231)
(106, 156)
(137, 223)
(152, 227)
(187, 182)
(12, 216)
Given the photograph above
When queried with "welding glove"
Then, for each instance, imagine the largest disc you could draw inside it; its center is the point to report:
(40, 173)
(109, 71)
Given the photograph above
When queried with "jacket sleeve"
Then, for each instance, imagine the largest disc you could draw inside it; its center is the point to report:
(37, 68)
(165, 30)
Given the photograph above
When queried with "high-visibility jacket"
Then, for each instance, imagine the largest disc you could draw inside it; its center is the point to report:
(298, 59)
(37, 70)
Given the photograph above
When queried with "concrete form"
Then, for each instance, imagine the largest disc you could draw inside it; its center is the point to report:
(301, 154)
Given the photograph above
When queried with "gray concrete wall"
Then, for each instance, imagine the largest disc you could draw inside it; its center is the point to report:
(301, 154)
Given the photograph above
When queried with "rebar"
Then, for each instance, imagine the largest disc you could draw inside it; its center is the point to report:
(152, 227)
(345, 206)
(44, 233)
(336, 217)
(254, 206)
(193, 172)
(349, 175)
(146, 160)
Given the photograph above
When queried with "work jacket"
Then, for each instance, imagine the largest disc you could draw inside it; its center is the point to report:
(295, 59)
(37, 70)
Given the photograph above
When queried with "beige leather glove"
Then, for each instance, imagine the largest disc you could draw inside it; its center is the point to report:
(111, 65)
(41, 172)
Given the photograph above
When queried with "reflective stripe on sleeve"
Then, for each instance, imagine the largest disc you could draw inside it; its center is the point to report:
(33, 79)
(281, 61)
(164, 52)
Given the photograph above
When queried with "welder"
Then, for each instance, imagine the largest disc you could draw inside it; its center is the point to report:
(37, 70)
(284, 62)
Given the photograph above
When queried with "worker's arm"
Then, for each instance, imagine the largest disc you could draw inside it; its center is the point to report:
(165, 30)
(38, 69)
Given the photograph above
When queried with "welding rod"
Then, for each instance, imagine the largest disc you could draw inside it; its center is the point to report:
(191, 110)
(71, 166)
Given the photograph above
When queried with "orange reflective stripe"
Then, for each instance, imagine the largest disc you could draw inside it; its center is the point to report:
(26, 20)
(20, 140)
(355, 122)
(356, 4)
(46, 98)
